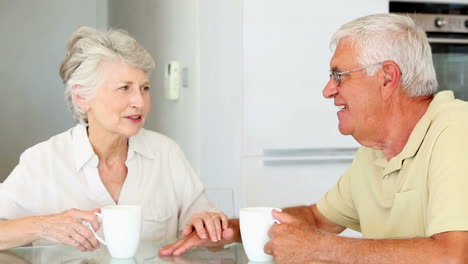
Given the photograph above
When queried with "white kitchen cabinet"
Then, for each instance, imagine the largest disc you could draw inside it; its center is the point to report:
(286, 64)
(284, 185)
(292, 183)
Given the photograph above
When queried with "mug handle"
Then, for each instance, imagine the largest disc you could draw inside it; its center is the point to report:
(88, 225)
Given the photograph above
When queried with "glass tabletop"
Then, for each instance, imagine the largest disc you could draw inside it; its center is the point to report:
(147, 253)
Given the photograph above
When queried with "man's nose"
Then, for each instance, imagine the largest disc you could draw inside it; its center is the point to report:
(330, 90)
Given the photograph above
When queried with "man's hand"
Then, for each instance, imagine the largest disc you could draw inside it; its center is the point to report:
(193, 240)
(67, 228)
(293, 240)
(207, 225)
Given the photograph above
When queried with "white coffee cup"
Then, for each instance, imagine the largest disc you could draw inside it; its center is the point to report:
(254, 225)
(122, 229)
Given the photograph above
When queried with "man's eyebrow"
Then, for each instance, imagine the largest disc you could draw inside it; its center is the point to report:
(335, 69)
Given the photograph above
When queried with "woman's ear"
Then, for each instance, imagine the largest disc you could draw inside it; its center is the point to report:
(391, 79)
(80, 101)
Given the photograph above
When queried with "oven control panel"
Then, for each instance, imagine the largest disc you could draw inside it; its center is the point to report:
(441, 22)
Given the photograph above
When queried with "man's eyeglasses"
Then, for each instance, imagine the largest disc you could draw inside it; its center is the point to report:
(336, 75)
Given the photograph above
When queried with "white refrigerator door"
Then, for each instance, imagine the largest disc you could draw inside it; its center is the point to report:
(286, 66)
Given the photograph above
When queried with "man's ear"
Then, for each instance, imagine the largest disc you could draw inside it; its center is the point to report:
(391, 79)
(80, 101)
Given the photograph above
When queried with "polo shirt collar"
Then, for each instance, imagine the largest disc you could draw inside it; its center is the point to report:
(84, 152)
(417, 135)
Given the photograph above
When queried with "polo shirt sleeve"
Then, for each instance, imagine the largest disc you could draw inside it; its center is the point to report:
(448, 181)
(337, 205)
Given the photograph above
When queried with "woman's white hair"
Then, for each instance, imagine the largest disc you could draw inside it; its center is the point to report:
(392, 37)
(86, 49)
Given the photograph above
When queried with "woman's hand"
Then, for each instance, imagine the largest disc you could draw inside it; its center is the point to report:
(67, 228)
(179, 247)
(192, 240)
(213, 223)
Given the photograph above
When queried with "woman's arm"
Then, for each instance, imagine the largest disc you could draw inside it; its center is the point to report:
(18, 232)
(65, 228)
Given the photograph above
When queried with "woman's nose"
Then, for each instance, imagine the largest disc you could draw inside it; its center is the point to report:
(330, 90)
(137, 100)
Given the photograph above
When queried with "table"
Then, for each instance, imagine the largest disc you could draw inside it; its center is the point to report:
(147, 253)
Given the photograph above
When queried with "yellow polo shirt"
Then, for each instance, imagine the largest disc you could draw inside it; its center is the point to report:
(418, 193)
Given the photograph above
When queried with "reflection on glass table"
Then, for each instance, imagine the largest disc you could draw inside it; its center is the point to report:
(147, 254)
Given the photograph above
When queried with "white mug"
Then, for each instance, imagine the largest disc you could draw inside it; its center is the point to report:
(254, 225)
(122, 229)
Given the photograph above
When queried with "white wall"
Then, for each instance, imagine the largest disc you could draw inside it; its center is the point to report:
(221, 95)
(169, 31)
(33, 38)
(206, 37)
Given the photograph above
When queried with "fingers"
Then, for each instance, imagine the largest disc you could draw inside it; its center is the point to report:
(283, 217)
(209, 224)
(170, 248)
(267, 249)
(193, 241)
(200, 228)
(88, 216)
(188, 229)
(181, 246)
(67, 228)
(87, 235)
(215, 223)
(82, 235)
(228, 234)
(225, 221)
(69, 236)
(83, 243)
(217, 226)
(68, 240)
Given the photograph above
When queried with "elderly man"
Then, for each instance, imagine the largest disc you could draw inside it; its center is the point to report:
(406, 190)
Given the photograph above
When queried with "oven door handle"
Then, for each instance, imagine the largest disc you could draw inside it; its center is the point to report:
(447, 41)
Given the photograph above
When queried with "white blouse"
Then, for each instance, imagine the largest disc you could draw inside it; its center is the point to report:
(62, 173)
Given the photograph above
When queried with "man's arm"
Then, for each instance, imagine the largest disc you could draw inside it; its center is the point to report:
(232, 234)
(294, 242)
(313, 217)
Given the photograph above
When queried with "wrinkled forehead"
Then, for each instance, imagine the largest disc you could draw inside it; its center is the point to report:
(116, 71)
(345, 54)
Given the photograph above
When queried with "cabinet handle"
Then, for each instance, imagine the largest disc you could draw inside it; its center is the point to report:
(447, 41)
(278, 157)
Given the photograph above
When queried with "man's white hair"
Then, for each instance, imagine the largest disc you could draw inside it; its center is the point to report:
(392, 37)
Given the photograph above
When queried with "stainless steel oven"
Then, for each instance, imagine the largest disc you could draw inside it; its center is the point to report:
(446, 26)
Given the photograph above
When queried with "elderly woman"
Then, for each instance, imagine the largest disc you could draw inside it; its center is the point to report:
(106, 159)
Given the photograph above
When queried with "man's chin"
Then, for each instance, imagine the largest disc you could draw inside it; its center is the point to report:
(344, 130)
